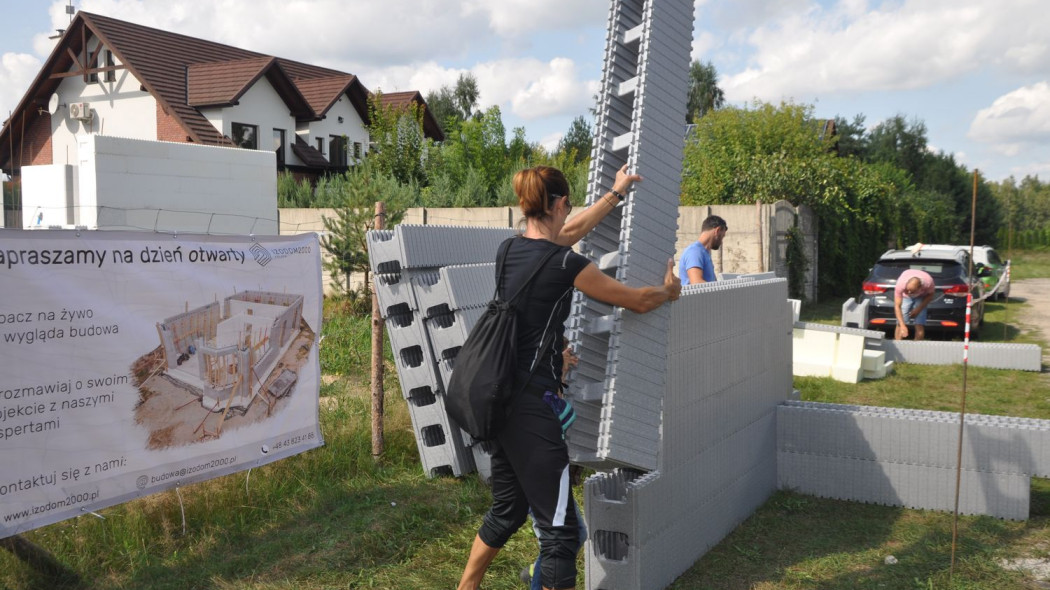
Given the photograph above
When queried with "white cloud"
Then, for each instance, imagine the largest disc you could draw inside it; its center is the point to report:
(911, 44)
(338, 33)
(535, 89)
(702, 46)
(515, 18)
(527, 88)
(17, 71)
(550, 141)
(1015, 120)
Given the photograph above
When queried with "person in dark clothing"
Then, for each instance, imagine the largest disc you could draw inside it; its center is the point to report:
(530, 464)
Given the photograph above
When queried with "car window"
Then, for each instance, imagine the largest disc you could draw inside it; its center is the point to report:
(938, 269)
(993, 258)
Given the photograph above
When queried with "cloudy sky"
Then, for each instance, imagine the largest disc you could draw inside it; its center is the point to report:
(976, 72)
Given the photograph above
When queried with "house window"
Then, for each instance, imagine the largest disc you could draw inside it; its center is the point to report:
(278, 145)
(245, 136)
(337, 145)
(357, 150)
(320, 145)
(111, 76)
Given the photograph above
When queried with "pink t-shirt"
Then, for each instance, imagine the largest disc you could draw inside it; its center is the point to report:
(924, 277)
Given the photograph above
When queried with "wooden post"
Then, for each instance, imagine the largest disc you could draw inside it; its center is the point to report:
(377, 356)
(758, 230)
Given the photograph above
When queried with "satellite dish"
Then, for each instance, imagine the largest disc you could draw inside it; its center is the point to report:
(52, 103)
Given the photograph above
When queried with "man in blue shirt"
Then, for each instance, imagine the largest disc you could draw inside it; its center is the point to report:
(696, 265)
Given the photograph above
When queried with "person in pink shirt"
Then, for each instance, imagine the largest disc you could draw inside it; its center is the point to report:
(912, 294)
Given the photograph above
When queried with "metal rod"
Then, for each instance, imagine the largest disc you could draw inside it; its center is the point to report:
(966, 364)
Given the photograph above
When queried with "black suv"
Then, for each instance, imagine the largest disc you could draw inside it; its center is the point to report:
(949, 268)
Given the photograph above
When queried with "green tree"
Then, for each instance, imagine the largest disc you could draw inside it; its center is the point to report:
(292, 192)
(704, 93)
(936, 179)
(399, 142)
(770, 152)
(442, 105)
(851, 136)
(476, 149)
(451, 105)
(900, 143)
(466, 94)
(354, 195)
(578, 139)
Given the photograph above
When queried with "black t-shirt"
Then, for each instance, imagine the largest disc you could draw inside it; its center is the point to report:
(543, 306)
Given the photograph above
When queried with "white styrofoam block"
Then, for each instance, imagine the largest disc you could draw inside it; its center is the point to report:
(874, 360)
(810, 370)
(847, 374)
(849, 352)
(811, 347)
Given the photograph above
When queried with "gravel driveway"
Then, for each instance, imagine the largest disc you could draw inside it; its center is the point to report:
(1035, 292)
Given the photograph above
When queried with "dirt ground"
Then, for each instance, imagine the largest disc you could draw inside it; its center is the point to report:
(1035, 292)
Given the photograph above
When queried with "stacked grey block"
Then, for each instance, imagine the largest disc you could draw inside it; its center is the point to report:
(404, 259)
(728, 368)
(452, 299)
(619, 383)
(993, 355)
(908, 458)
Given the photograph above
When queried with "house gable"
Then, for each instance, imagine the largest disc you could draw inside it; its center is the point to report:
(185, 78)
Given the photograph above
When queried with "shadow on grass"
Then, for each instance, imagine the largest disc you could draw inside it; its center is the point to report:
(327, 518)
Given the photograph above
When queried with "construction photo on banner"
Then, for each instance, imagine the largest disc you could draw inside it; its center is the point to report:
(137, 362)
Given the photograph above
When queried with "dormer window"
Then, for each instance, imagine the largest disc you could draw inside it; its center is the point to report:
(245, 136)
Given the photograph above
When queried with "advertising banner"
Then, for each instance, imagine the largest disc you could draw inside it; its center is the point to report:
(132, 363)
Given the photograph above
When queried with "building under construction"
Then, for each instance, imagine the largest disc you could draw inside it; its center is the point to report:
(228, 353)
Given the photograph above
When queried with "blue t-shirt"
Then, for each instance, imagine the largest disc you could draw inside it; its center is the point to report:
(696, 256)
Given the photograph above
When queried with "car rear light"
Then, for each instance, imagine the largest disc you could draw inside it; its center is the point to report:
(879, 321)
(873, 289)
(949, 324)
(957, 289)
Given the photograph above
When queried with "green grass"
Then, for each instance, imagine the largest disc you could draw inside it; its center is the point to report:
(1028, 264)
(334, 518)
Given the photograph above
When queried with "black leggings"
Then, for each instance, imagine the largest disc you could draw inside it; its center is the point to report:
(530, 469)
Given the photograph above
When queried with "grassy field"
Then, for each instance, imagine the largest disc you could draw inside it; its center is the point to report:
(334, 518)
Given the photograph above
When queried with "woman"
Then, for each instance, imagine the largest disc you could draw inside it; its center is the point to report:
(530, 465)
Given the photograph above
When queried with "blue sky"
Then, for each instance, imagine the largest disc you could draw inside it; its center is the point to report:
(976, 72)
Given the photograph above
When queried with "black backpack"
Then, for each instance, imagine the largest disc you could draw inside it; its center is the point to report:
(482, 381)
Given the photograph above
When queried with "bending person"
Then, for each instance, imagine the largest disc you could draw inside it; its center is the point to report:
(530, 462)
(911, 296)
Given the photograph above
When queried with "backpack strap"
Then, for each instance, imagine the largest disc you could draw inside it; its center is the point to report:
(501, 262)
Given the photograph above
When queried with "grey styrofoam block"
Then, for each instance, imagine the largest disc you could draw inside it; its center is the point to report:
(999, 444)
(900, 484)
(405, 329)
(994, 355)
(384, 252)
(395, 294)
(855, 315)
(431, 246)
(429, 291)
(645, 556)
(450, 330)
(441, 449)
(867, 334)
(455, 287)
(416, 368)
